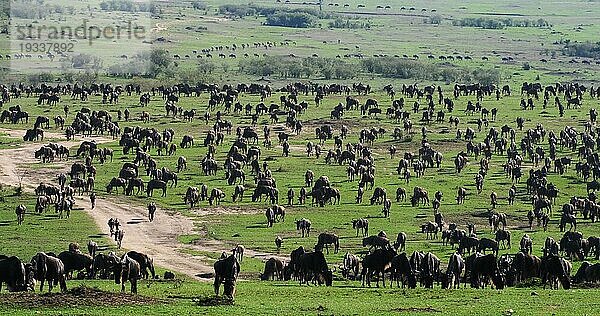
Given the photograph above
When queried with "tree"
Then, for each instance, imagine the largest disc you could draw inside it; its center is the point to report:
(160, 63)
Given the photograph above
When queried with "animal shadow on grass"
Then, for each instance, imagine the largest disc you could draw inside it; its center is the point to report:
(135, 221)
(257, 225)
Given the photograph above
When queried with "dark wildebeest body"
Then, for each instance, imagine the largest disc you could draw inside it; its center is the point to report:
(146, 263)
(226, 272)
(12, 272)
(51, 269)
(377, 262)
(74, 261)
(313, 267)
(326, 239)
(273, 269)
(128, 270)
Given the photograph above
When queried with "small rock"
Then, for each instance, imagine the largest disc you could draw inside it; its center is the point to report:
(236, 235)
(534, 293)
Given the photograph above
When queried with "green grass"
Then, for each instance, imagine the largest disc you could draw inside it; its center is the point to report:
(244, 223)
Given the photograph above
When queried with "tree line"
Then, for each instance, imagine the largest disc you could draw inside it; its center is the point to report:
(584, 49)
(297, 17)
(128, 6)
(499, 23)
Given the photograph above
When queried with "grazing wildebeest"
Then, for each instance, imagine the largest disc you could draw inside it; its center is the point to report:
(456, 265)
(526, 244)
(313, 267)
(146, 263)
(51, 269)
(12, 272)
(486, 243)
(326, 239)
(377, 262)
(429, 270)
(127, 270)
(273, 269)
(400, 243)
(361, 224)
(74, 261)
(376, 242)
(216, 196)
(526, 266)
(484, 268)
(226, 272)
(403, 271)
(351, 263)
(587, 273)
(552, 268)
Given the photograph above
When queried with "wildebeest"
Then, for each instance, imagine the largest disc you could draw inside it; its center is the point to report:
(377, 263)
(51, 269)
(146, 263)
(400, 243)
(553, 267)
(361, 224)
(350, 263)
(12, 272)
(273, 269)
(401, 270)
(326, 239)
(74, 261)
(456, 265)
(376, 242)
(313, 267)
(127, 270)
(226, 272)
(484, 268)
(303, 225)
(429, 270)
(155, 184)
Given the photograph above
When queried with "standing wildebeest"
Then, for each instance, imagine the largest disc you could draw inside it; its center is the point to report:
(216, 196)
(270, 215)
(377, 262)
(155, 184)
(503, 237)
(429, 269)
(303, 225)
(238, 252)
(12, 272)
(74, 261)
(226, 272)
(146, 263)
(119, 234)
(273, 268)
(51, 269)
(92, 248)
(361, 224)
(20, 211)
(326, 239)
(151, 211)
(128, 270)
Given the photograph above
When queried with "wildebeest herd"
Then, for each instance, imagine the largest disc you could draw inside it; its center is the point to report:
(243, 159)
(52, 269)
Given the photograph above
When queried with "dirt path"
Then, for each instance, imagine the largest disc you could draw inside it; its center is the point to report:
(157, 239)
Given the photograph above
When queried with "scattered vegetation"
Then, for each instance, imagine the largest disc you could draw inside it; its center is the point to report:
(290, 67)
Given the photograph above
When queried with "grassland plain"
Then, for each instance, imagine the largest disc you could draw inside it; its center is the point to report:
(395, 31)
